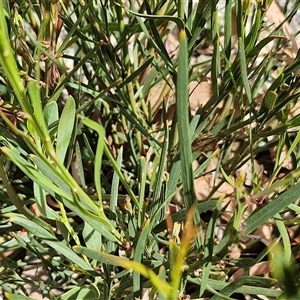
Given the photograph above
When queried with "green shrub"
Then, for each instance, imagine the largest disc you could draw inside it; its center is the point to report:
(92, 157)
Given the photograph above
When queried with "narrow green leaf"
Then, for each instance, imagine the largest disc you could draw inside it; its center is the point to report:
(182, 110)
(8, 63)
(52, 241)
(92, 238)
(242, 281)
(38, 115)
(243, 68)
(270, 99)
(115, 187)
(65, 128)
(79, 165)
(161, 285)
(58, 188)
(181, 215)
(285, 237)
(15, 199)
(101, 135)
(51, 113)
(142, 186)
(40, 197)
(271, 209)
(245, 289)
(159, 180)
(209, 246)
(138, 253)
(78, 293)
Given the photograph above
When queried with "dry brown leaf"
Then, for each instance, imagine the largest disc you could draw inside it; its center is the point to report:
(200, 93)
(264, 233)
(204, 185)
(51, 202)
(293, 233)
(276, 16)
(289, 60)
(74, 169)
(246, 171)
(261, 268)
(234, 252)
(195, 165)
(34, 208)
(172, 43)
(295, 110)
(284, 159)
(7, 253)
(161, 92)
(230, 203)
